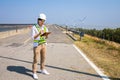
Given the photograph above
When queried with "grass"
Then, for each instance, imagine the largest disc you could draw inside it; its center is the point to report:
(105, 55)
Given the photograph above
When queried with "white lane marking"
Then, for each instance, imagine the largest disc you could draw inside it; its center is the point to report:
(56, 27)
(26, 40)
(104, 77)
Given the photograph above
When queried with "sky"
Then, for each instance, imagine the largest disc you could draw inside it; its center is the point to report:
(89, 13)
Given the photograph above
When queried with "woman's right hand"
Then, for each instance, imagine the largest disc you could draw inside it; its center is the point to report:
(40, 33)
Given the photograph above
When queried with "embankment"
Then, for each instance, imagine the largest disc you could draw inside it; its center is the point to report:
(9, 33)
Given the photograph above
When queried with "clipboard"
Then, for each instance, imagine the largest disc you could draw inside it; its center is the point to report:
(46, 34)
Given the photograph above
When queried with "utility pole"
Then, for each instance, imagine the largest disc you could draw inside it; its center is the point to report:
(66, 29)
(16, 29)
(81, 33)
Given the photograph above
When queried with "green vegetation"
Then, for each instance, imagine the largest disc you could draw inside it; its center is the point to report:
(103, 53)
(107, 33)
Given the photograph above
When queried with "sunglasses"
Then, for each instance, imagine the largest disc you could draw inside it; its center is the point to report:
(41, 20)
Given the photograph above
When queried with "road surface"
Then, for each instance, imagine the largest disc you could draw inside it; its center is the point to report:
(63, 61)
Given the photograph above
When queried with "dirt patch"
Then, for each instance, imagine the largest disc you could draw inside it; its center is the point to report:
(15, 45)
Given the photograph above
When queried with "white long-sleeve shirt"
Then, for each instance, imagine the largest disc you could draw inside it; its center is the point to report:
(34, 32)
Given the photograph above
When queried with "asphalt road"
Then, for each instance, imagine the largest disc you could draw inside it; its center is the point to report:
(63, 61)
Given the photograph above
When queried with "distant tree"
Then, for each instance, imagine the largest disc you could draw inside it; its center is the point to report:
(117, 35)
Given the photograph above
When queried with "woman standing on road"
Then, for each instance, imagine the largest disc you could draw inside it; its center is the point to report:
(39, 45)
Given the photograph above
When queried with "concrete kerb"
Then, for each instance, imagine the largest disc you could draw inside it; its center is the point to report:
(103, 76)
(75, 39)
(13, 32)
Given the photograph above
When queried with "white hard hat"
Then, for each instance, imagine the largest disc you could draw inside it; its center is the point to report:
(42, 16)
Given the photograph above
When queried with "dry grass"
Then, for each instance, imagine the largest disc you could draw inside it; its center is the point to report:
(104, 54)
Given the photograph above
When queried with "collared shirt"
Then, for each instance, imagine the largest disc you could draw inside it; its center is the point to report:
(34, 32)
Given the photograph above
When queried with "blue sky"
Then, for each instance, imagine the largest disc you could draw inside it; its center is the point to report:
(70, 12)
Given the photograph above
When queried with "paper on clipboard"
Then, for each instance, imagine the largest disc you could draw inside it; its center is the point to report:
(46, 34)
